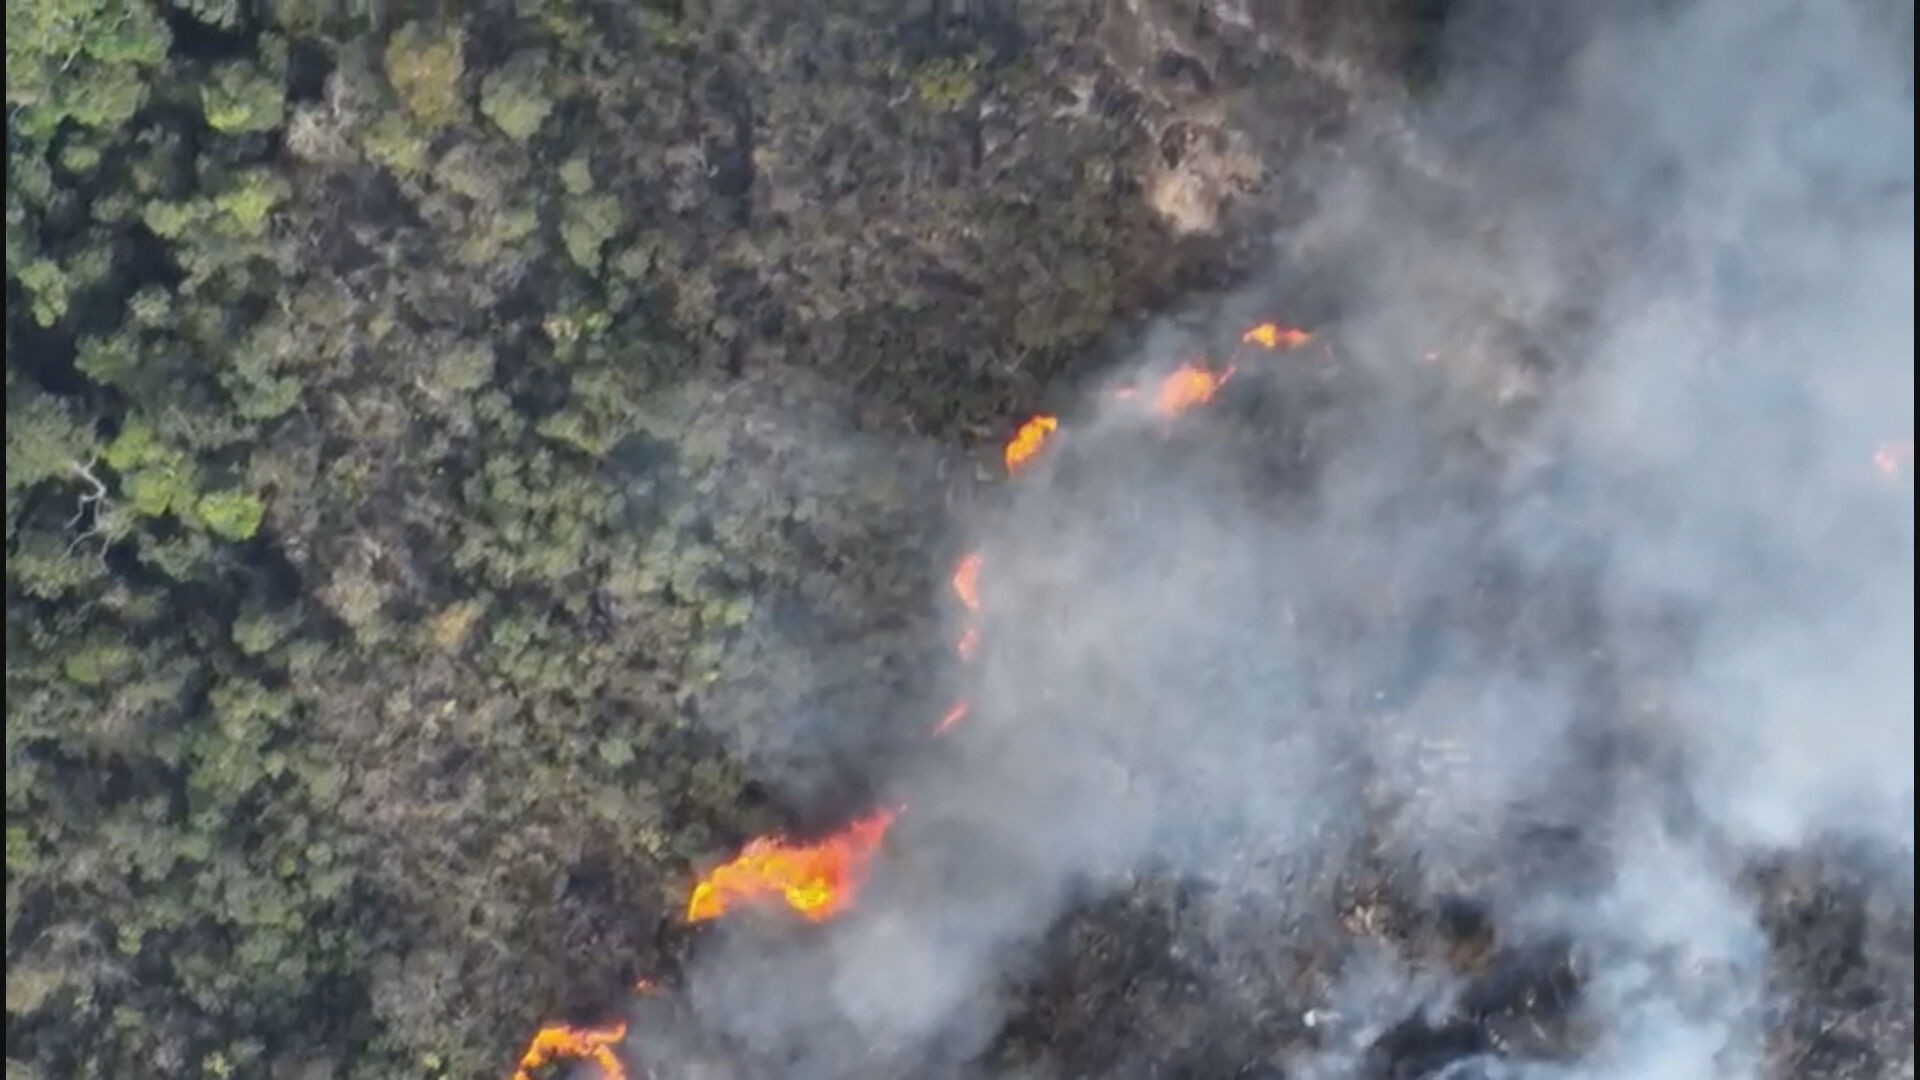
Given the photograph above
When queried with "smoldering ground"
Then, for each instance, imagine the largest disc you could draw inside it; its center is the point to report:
(1446, 695)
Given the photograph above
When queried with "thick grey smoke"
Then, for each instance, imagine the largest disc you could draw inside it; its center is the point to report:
(1557, 573)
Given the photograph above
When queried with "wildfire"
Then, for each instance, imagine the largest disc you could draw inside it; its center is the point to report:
(563, 1042)
(1027, 442)
(966, 580)
(953, 716)
(822, 879)
(1276, 337)
(1188, 386)
(1892, 459)
(818, 880)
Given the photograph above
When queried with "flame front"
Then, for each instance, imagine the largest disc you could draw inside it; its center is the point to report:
(1276, 337)
(968, 644)
(1189, 385)
(1028, 441)
(818, 880)
(563, 1042)
(953, 716)
(822, 879)
(966, 580)
(1893, 458)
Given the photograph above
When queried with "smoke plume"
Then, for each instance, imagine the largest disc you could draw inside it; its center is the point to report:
(1556, 582)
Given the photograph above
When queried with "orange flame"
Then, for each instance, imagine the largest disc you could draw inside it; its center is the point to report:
(966, 580)
(1188, 386)
(1027, 442)
(1893, 458)
(817, 880)
(969, 643)
(953, 716)
(1276, 337)
(560, 1042)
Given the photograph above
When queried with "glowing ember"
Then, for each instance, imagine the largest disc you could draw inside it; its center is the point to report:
(966, 580)
(952, 717)
(563, 1042)
(1274, 336)
(818, 880)
(969, 643)
(1026, 443)
(1893, 458)
(1188, 386)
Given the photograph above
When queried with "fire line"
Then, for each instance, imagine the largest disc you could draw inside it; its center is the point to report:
(817, 880)
(966, 580)
(1188, 387)
(1027, 442)
(1275, 337)
(1891, 459)
(952, 717)
(820, 880)
(564, 1042)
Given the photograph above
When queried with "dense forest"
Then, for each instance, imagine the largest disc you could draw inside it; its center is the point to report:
(425, 425)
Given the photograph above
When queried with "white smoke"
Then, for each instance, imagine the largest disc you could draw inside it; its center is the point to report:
(1612, 569)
